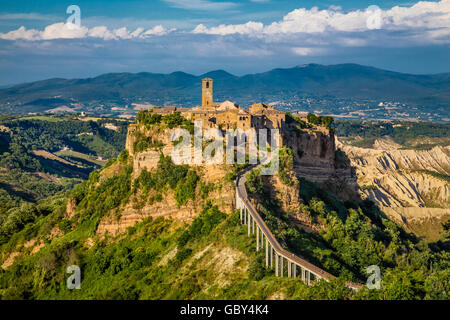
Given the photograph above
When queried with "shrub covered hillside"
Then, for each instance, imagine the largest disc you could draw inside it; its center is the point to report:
(354, 235)
(210, 258)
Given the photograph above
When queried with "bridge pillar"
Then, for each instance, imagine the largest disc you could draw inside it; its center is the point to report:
(262, 238)
(303, 274)
(240, 214)
(271, 256)
(295, 270)
(289, 269)
(308, 277)
(276, 265)
(249, 224)
(253, 226)
(267, 253)
(281, 266)
(257, 238)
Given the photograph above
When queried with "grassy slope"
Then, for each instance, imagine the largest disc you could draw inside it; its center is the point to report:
(221, 265)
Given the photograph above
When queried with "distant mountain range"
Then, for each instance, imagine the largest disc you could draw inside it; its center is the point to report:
(332, 89)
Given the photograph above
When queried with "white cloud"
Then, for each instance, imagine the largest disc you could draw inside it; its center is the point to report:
(204, 5)
(69, 31)
(247, 28)
(51, 32)
(123, 33)
(422, 23)
(158, 31)
(304, 51)
(422, 16)
(101, 32)
(21, 33)
(63, 31)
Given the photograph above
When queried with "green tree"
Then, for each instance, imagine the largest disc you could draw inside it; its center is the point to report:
(313, 119)
(326, 121)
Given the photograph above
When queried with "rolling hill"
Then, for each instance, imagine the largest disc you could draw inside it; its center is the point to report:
(328, 86)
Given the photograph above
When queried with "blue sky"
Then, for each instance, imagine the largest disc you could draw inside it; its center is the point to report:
(197, 36)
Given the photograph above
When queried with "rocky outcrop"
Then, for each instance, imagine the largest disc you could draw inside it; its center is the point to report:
(287, 195)
(406, 189)
(315, 156)
(402, 178)
(70, 208)
(290, 202)
(222, 195)
(402, 184)
(436, 159)
(129, 216)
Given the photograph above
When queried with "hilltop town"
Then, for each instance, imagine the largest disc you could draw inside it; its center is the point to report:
(312, 142)
(228, 115)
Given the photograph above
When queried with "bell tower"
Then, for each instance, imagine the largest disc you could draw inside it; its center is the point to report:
(207, 92)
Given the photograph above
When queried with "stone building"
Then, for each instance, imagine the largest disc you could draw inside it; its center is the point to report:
(207, 92)
(228, 115)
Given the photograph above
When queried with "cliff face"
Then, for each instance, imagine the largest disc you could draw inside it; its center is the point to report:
(148, 158)
(315, 156)
(405, 184)
(221, 194)
(314, 153)
(402, 178)
(314, 159)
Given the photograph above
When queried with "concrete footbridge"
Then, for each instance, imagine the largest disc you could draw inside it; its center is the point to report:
(276, 256)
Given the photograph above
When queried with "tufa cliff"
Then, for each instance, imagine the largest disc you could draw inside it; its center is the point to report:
(410, 186)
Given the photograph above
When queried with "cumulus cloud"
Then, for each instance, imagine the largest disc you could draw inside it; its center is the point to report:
(433, 18)
(247, 28)
(69, 31)
(304, 51)
(422, 23)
